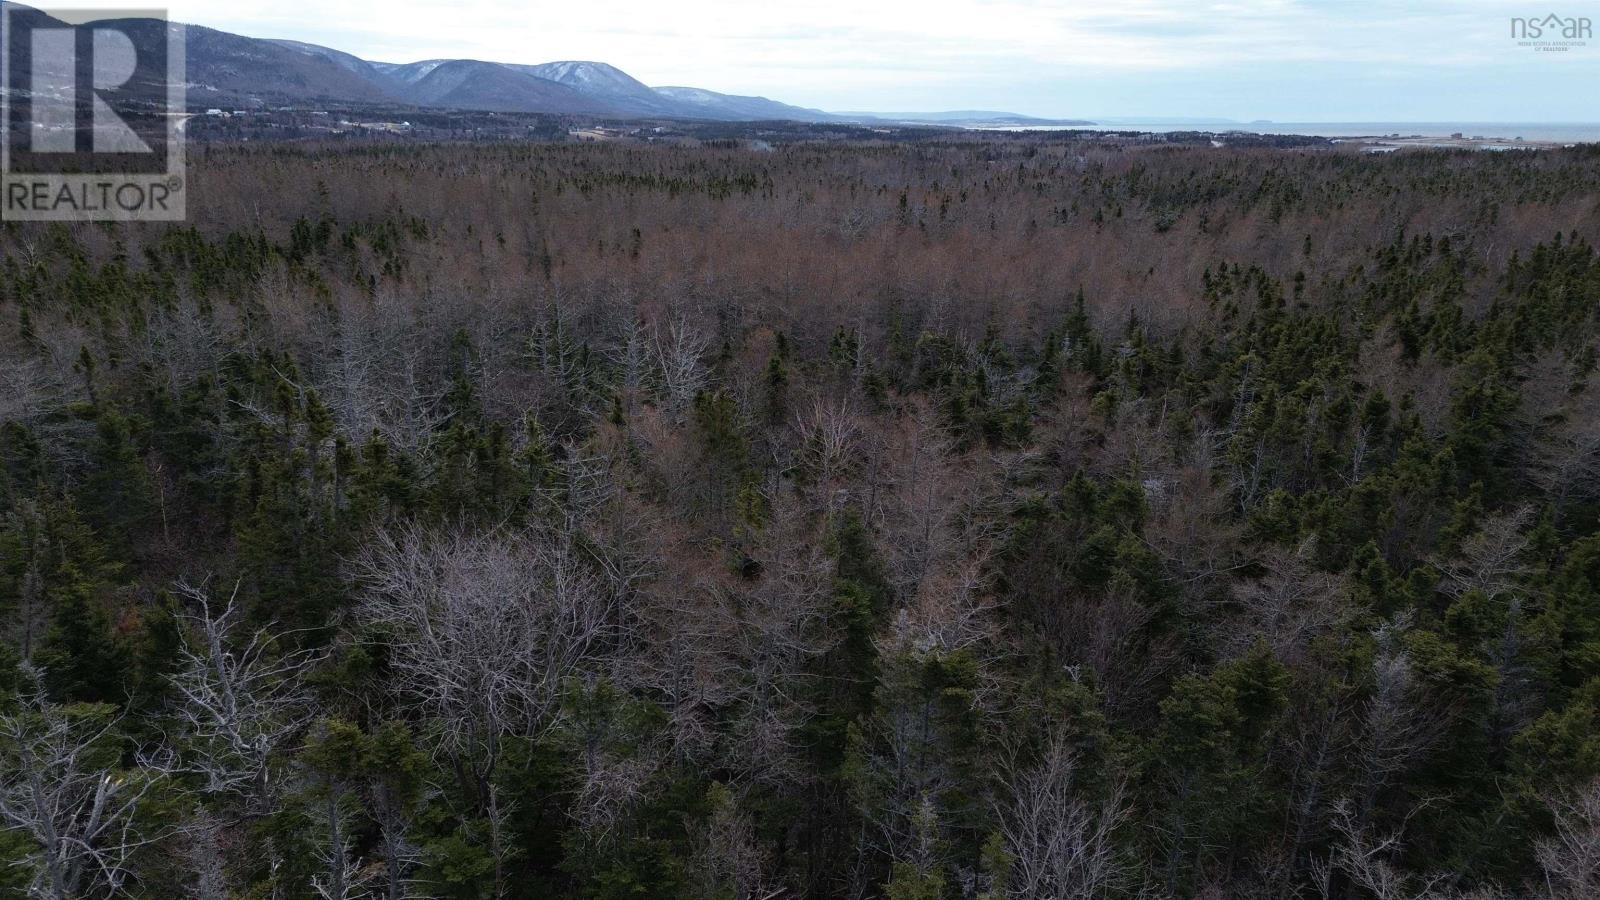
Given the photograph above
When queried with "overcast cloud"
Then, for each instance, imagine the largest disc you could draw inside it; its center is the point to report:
(1289, 60)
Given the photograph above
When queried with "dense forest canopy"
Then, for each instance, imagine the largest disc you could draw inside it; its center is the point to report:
(983, 518)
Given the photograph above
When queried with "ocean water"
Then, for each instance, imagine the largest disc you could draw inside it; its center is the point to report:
(1563, 132)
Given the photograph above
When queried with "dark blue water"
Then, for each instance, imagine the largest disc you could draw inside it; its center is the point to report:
(1564, 132)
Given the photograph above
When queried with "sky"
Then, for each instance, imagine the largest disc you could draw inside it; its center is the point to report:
(1283, 60)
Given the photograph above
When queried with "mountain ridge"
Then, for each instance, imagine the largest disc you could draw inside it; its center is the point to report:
(238, 70)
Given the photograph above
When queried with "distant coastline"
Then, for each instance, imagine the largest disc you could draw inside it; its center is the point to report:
(1559, 132)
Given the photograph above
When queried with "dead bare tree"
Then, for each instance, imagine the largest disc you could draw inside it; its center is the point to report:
(1317, 740)
(1490, 560)
(772, 634)
(728, 856)
(206, 859)
(183, 342)
(1567, 450)
(926, 499)
(631, 351)
(1492, 563)
(1400, 722)
(1059, 844)
(483, 628)
(377, 371)
(60, 789)
(1370, 860)
(743, 652)
(680, 350)
(30, 614)
(1191, 531)
(1571, 857)
(828, 434)
(28, 390)
(242, 700)
(1290, 606)
(612, 780)
(1110, 635)
(497, 813)
(951, 611)
(343, 877)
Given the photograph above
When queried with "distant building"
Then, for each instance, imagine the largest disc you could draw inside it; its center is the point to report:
(596, 133)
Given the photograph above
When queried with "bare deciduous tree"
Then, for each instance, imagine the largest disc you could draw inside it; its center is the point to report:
(1571, 857)
(204, 853)
(1490, 560)
(241, 702)
(483, 629)
(1109, 635)
(630, 352)
(27, 389)
(343, 877)
(951, 611)
(377, 371)
(1060, 846)
(1289, 606)
(61, 789)
(1370, 860)
(680, 350)
(926, 501)
(828, 434)
(1191, 531)
(610, 787)
(30, 613)
(1400, 722)
(742, 652)
(728, 856)
(1566, 446)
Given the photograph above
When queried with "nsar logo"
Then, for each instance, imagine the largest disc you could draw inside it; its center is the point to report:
(1552, 33)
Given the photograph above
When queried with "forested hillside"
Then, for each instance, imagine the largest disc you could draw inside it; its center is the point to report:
(1008, 518)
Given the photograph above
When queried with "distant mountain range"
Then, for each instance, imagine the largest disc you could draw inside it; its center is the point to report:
(230, 70)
